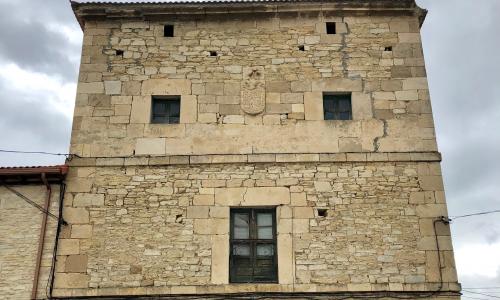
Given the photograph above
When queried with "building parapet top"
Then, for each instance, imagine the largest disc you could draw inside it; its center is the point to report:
(86, 11)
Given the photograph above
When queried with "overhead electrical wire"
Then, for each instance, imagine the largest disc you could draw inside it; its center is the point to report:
(476, 214)
(483, 294)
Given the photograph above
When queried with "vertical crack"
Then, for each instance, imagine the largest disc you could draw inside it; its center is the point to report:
(343, 50)
(376, 144)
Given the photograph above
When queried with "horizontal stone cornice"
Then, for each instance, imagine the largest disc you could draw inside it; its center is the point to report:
(256, 158)
(144, 11)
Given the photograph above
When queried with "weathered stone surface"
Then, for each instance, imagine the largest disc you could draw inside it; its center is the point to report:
(161, 225)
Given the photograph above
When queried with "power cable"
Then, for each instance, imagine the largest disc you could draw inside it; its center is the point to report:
(478, 293)
(31, 202)
(474, 298)
(482, 288)
(476, 214)
(39, 152)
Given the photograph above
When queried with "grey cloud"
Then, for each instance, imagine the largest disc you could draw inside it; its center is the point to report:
(27, 41)
(461, 48)
(27, 123)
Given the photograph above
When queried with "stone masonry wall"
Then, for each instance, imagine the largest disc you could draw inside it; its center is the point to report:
(20, 225)
(258, 59)
(164, 229)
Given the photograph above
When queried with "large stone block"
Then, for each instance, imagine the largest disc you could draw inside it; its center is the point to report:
(286, 269)
(189, 109)
(76, 215)
(71, 281)
(141, 110)
(68, 247)
(90, 88)
(113, 87)
(86, 199)
(76, 264)
(150, 146)
(337, 85)
(266, 196)
(313, 106)
(166, 87)
(220, 259)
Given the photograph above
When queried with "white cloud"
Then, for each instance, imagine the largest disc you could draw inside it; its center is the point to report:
(42, 87)
(478, 260)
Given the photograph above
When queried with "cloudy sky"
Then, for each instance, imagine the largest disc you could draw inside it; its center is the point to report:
(40, 43)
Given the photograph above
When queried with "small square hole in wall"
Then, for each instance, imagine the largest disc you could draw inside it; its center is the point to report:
(388, 48)
(168, 30)
(213, 53)
(119, 52)
(302, 48)
(331, 28)
(322, 212)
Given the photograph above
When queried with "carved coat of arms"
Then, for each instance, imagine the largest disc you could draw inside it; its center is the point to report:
(253, 96)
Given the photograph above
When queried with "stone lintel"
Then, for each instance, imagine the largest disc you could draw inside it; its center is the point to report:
(257, 158)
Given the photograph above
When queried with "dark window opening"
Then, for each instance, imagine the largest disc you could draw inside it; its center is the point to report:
(165, 110)
(322, 212)
(213, 53)
(253, 253)
(388, 48)
(119, 52)
(331, 28)
(302, 48)
(168, 30)
(337, 106)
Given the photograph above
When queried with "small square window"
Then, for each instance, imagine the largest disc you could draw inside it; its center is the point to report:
(253, 253)
(337, 106)
(165, 110)
(168, 30)
(331, 28)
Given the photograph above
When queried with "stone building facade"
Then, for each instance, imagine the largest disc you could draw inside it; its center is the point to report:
(27, 234)
(249, 91)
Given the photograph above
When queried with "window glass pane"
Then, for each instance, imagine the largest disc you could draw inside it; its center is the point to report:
(265, 232)
(174, 109)
(241, 226)
(264, 219)
(337, 107)
(241, 250)
(166, 110)
(241, 233)
(241, 220)
(265, 250)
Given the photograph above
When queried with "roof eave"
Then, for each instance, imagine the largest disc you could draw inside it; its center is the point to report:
(125, 10)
